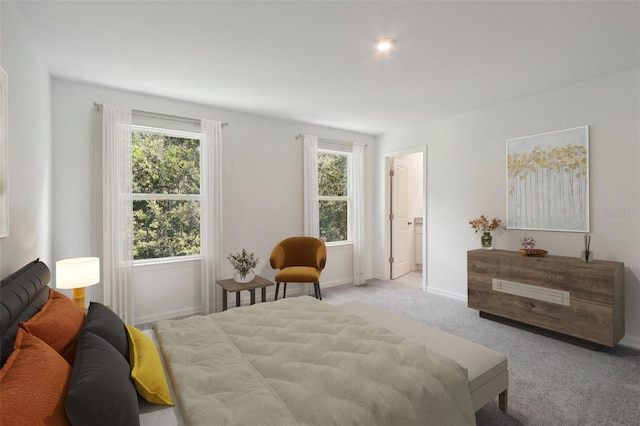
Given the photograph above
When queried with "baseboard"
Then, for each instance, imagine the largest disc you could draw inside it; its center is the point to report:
(449, 294)
(335, 283)
(630, 341)
(342, 281)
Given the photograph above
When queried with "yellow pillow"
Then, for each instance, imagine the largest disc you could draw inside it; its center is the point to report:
(146, 368)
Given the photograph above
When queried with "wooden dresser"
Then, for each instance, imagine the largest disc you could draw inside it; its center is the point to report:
(557, 293)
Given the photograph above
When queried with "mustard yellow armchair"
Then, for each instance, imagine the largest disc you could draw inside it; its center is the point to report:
(300, 260)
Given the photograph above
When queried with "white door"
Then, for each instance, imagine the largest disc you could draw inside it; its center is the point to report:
(401, 238)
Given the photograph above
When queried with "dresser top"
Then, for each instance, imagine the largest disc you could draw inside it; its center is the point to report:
(510, 254)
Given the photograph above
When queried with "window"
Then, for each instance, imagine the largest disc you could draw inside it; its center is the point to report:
(166, 193)
(334, 195)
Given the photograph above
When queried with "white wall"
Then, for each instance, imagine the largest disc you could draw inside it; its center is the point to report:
(466, 178)
(29, 146)
(262, 190)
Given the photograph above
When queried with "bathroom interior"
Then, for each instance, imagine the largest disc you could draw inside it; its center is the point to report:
(414, 166)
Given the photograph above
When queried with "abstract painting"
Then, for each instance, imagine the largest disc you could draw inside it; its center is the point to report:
(548, 181)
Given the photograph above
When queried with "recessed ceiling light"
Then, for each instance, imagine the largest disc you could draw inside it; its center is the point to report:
(384, 44)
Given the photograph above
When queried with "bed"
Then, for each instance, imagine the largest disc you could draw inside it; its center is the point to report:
(294, 361)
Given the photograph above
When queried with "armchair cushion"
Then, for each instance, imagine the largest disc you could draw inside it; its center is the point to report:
(298, 274)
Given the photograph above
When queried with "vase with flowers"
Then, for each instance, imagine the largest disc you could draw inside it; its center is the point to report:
(243, 264)
(485, 227)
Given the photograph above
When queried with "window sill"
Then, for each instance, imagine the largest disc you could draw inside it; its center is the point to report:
(339, 243)
(166, 261)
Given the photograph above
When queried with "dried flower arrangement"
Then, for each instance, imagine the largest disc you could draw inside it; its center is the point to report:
(483, 224)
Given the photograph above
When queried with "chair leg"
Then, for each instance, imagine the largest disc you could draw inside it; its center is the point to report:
(315, 291)
(284, 291)
(316, 285)
(277, 289)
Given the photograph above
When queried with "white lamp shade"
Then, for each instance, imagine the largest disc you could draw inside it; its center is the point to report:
(77, 272)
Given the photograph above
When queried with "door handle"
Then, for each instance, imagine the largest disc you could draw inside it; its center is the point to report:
(410, 223)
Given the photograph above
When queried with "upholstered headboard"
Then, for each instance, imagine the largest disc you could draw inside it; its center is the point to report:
(22, 295)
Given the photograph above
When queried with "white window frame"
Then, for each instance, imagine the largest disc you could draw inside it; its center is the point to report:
(170, 197)
(348, 197)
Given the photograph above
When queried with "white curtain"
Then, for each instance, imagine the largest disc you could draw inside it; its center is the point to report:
(358, 233)
(311, 214)
(211, 211)
(117, 211)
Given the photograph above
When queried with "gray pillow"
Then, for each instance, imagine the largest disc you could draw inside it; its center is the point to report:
(100, 388)
(103, 322)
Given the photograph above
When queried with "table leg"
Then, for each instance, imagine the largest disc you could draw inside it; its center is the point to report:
(224, 299)
(264, 294)
(237, 298)
(253, 296)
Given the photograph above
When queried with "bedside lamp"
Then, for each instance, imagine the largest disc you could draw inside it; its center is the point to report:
(78, 273)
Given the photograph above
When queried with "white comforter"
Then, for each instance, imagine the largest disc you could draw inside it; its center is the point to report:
(301, 361)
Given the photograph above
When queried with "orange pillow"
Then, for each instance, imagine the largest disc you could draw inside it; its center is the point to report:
(33, 384)
(58, 324)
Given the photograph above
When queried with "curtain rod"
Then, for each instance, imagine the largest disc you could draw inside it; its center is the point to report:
(301, 136)
(158, 115)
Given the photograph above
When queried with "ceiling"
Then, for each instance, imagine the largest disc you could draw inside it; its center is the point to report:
(314, 61)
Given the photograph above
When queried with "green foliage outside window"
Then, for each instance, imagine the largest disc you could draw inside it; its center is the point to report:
(164, 228)
(332, 175)
(165, 165)
(332, 190)
(333, 221)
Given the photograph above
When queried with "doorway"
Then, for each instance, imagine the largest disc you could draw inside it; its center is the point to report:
(405, 212)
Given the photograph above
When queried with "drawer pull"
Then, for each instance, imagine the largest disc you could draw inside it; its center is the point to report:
(544, 294)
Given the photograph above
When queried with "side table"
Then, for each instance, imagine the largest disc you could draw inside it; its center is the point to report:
(230, 285)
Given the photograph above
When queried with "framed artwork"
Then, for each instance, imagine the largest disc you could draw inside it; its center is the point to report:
(548, 181)
(4, 152)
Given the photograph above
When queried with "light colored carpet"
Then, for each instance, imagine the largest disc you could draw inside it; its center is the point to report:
(551, 382)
